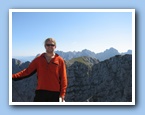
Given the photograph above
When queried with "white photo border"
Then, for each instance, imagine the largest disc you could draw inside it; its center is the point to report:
(71, 10)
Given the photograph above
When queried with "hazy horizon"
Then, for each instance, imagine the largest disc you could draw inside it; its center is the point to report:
(70, 51)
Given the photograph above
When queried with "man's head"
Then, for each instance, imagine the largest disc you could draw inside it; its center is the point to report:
(50, 45)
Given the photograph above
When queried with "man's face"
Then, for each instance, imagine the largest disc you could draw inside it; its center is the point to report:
(50, 47)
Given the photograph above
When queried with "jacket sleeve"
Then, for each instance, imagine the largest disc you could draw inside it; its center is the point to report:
(63, 79)
(26, 72)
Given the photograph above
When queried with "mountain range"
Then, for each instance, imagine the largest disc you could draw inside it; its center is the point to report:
(89, 80)
(74, 54)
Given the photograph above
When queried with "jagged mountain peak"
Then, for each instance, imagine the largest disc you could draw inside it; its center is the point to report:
(111, 50)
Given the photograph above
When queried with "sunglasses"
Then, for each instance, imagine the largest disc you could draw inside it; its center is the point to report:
(49, 45)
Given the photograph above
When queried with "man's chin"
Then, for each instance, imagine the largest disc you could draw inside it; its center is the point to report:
(49, 51)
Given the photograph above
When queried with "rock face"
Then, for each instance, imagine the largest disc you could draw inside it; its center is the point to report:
(79, 85)
(88, 80)
(112, 80)
(23, 90)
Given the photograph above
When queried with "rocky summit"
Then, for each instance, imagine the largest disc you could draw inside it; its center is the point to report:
(89, 80)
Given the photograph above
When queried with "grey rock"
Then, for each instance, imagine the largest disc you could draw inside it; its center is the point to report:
(89, 80)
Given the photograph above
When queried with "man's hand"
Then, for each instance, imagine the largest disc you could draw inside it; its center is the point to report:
(61, 99)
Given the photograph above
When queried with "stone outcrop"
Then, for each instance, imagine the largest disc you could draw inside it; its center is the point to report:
(112, 80)
(23, 90)
(88, 80)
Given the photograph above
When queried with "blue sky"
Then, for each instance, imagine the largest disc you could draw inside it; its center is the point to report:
(73, 31)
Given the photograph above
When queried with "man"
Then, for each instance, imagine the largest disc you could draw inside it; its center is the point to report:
(51, 74)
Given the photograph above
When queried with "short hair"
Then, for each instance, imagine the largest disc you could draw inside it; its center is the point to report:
(50, 39)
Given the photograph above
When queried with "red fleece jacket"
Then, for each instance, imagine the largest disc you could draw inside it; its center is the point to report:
(51, 76)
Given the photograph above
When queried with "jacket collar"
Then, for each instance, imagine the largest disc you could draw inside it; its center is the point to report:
(54, 60)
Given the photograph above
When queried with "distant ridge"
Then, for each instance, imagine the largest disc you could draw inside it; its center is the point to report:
(108, 53)
(74, 54)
